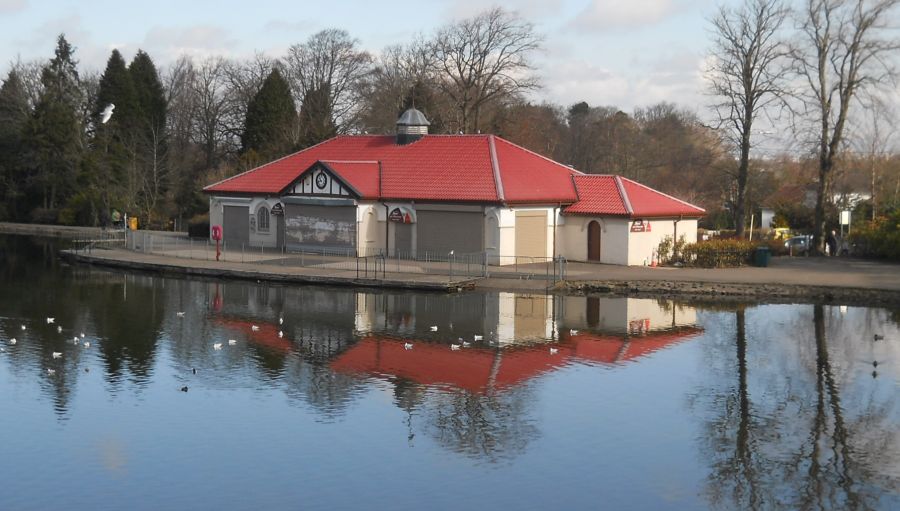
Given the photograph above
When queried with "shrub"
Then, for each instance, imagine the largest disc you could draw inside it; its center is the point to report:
(879, 238)
(716, 253)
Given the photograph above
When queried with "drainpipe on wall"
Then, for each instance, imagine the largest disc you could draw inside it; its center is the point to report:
(387, 232)
(555, 214)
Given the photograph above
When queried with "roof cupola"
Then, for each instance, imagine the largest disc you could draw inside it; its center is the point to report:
(411, 126)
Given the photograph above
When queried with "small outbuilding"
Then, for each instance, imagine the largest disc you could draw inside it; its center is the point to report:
(418, 196)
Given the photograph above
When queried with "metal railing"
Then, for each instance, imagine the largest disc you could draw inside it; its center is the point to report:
(365, 263)
(111, 238)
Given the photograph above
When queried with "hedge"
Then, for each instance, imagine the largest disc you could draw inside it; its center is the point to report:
(717, 253)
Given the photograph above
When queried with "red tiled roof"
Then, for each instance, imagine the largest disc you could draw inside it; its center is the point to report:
(459, 168)
(620, 196)
(436, 167)
(647, 202)
(361, 175)
(598, 195)
(530, 177)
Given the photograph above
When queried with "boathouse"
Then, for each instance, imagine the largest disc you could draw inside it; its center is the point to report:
(417, 195)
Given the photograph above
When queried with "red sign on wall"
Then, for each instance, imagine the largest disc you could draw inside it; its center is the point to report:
(400, 216)
(640, 226)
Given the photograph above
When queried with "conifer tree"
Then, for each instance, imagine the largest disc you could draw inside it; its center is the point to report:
(55, 131)
(113, 141)
(271, 120)
(316, 119)
(14, 115)
(150, 180)
(149, 93)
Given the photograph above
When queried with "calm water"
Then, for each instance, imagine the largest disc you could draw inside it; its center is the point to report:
(566, 403)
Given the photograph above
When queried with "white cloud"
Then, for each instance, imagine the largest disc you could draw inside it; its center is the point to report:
(11, 6)
(167, 43)
(531, 10)
(674, 76)
(617, 14)
(299, 27)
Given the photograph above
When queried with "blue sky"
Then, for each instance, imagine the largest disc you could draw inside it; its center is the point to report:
(605, 52)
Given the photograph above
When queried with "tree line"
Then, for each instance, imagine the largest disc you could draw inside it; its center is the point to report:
(177, 129)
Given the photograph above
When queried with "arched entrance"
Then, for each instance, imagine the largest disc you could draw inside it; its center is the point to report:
(593, 241)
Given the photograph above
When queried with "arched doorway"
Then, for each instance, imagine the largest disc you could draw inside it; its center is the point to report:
(593, 241)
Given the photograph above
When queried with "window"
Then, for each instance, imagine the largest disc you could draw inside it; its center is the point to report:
(262, 219)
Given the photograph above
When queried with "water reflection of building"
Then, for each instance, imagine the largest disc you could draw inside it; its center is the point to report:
(511, 318)
(523, 336)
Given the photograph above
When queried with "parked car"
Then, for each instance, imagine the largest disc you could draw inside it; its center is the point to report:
(798, 245)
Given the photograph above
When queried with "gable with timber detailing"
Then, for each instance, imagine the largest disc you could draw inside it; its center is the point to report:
(320, 180)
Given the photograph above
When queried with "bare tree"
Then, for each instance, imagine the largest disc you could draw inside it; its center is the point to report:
(397, 71)
(843, 51)
(746, 76)
(209, 87)
(244, 80)
(330, 61)
(875, 146)
(483, 59)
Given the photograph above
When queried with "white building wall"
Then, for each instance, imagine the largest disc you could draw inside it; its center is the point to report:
(369, 240)
(572, 238)
(507, 227)
(216, 213)
(259, 237)
(643, 245)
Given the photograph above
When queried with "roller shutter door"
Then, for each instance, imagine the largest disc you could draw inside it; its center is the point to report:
(439, 232)
(531, 233)
(320, 228)
(236, 226)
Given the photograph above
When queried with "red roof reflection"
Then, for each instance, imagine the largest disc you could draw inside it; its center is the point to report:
(266, 336)
(478, 369)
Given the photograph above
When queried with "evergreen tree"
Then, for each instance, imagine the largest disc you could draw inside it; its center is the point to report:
(149, 93)
(271, 118)
(316, 117)
(116, 88)
(55, 131)
(14, 114)
(150, 181)
(106, 169)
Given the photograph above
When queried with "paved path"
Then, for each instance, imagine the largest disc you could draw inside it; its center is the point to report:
(815, 271)
(782, 271)
(816, 275)
(129, 259)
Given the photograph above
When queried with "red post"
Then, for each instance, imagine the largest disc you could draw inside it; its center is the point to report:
(217, 235)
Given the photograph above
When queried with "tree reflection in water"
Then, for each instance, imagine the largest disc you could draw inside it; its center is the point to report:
(492, 426)
(791, 415)
(783, 437)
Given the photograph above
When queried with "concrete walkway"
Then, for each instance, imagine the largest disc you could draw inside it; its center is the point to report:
(814, 271)
(818, 278)
(128, 259)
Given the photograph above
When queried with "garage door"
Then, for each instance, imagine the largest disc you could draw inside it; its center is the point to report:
(531, 233)
(236, 228)
(320, 228)
(439, 232)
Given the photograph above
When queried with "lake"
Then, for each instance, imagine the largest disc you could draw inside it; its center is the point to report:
(204, 394)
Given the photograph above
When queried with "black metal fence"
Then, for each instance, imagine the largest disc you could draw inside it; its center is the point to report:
(364, 263)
